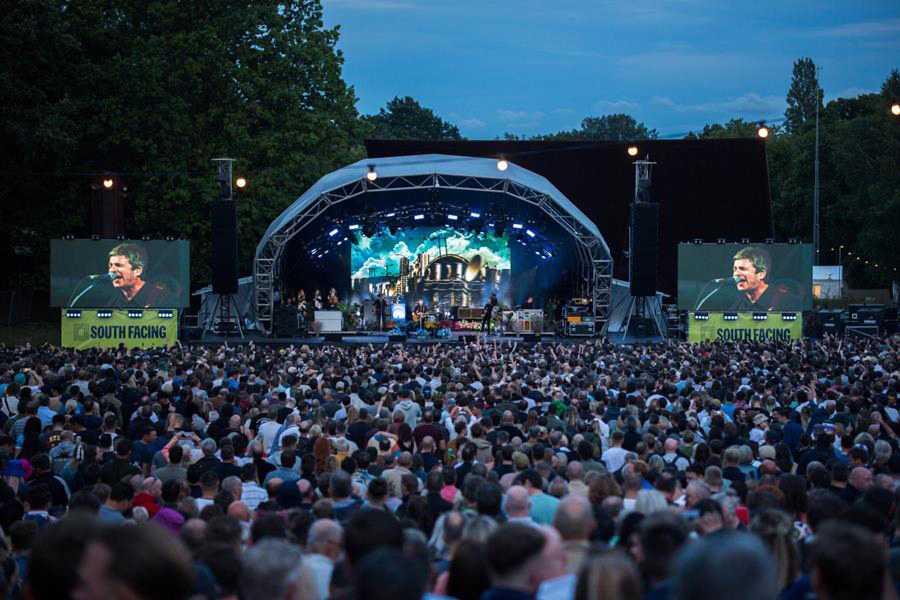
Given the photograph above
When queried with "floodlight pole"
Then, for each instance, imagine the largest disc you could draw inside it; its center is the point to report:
(816, 240)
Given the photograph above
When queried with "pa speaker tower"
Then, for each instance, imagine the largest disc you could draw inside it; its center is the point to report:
(644, 233)
(224, 247)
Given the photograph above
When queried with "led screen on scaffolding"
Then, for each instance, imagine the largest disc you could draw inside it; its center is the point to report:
(442, 266)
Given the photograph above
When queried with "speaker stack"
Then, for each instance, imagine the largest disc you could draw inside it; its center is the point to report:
(642, 260)
(224, 247)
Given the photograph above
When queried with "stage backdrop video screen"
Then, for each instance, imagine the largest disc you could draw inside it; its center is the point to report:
(441, 266)
(119, 274)
(745, 277)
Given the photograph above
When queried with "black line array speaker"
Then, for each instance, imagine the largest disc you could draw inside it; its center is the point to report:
(642, 261)
(224, 247)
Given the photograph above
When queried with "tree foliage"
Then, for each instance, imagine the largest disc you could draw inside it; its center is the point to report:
(860, 186)
(803, 96)
(154, 90)
(406, 119)
(614, 128)
(735, 128)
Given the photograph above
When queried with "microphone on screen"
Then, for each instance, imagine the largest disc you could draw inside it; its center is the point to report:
(109, 276)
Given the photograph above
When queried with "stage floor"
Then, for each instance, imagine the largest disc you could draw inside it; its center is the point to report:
(351, 338)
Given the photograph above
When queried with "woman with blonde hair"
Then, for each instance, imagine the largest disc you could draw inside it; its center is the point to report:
(609, 576)
(776, 529)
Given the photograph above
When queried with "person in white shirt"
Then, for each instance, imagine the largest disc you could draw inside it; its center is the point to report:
(614, 457)
(324, 544)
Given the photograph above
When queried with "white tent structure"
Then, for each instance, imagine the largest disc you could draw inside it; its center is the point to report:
(511, 184)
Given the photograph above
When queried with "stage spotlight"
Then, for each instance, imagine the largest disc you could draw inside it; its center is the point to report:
(418, 217)
(502, 164)
(745, 241)
(763, 131)
(95, 237)
(632, 150)
(390, 214)
(720, 241)
(108, 183)
(895, 109)
(452, 218)
(353, 227)
(529, 232)
(371, 174)
(240, 183)
(475, 215)
(517, 226)
(698, 241)
(333, 232)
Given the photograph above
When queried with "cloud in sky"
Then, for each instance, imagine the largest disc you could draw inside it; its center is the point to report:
(749, 103)
(666, 63)
(615, 106)
(381, 5)
(860, 29)
(472, 123)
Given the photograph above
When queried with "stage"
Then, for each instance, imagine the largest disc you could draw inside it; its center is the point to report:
(362, 338)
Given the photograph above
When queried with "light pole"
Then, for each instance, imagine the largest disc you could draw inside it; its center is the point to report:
(816, 184)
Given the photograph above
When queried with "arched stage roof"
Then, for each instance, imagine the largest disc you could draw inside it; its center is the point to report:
(426, 164)
(427, 171)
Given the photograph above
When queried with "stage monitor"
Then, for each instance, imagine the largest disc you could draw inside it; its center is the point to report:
(442, 266)
(119, 273)
(745, 277)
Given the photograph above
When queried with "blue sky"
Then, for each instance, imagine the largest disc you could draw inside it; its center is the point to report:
(531, 66)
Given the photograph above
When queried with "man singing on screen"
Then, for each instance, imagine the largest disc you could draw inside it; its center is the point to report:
(750, 270)
(126, 265)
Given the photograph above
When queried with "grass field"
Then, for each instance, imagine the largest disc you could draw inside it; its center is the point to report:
(36, 333)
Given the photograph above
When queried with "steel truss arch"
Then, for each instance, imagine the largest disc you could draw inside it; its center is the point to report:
(595, 261)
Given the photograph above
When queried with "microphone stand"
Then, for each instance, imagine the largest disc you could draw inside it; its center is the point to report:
(717, 289)
(75, 299)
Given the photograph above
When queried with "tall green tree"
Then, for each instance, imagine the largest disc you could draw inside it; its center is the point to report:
(154, 91)
(406, 119)
(803, 95)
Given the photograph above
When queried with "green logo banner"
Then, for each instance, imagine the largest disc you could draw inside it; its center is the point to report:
(744, 328)
(108, 328)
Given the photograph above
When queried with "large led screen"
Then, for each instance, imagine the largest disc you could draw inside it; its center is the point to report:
(442, 266)
(119, 273)
(745, 277)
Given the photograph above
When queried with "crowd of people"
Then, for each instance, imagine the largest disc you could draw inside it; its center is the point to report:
(470, 471)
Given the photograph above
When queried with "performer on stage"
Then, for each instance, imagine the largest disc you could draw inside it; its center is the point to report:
(380, 305)
(332, 299)
(487, 318)
(529, 303)
(317, 300)
(419, 314)
(302, 309)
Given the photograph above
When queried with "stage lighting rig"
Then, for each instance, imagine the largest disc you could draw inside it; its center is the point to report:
(371, 174)
(632, 151)
(502, 164)
(895, 109)
(763, 131)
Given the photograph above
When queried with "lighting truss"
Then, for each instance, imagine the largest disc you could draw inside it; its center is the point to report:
(594, 259)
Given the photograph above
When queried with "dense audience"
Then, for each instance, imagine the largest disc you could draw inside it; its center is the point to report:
(479, 471)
